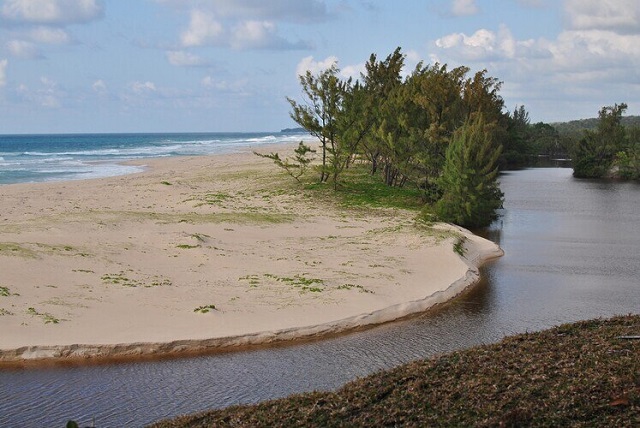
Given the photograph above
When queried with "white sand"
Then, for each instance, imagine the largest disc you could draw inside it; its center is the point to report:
(122, 263)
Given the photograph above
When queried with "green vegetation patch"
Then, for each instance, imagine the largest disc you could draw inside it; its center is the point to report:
(254, 280)
(582, 375)
(204, 309)
(13, 249)
(360, 288)
(298, 281)
(124, 280)
(360, 189)
(46, 317)
(458, 246)
(65, 250)
(4, 291)
(196, 218)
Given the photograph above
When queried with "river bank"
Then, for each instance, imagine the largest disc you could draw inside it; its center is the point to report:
(204, 253)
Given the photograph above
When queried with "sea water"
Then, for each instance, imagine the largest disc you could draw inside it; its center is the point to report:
(57, 157)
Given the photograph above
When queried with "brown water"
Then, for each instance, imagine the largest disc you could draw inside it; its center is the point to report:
(572, 252)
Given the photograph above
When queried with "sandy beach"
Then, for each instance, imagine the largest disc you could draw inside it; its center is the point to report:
(206, 253)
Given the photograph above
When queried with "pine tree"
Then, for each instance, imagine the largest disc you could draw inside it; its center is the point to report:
(469, 183)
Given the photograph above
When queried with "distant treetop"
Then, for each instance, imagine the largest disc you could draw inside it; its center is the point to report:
(578, 126)
(293, 130)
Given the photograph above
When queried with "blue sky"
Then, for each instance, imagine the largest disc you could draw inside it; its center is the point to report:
(227, 65)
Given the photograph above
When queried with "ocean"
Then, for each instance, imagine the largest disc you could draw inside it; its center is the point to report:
(58, 157)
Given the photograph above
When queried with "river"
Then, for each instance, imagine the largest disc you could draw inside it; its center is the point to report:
(572, 252)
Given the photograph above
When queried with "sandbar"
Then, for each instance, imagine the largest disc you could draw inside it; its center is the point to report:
(208, 253)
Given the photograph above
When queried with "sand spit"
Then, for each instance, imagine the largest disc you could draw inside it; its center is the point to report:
(207, 253)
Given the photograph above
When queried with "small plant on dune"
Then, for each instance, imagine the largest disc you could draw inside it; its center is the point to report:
(254, 280)
(47, 317)
(297, 166)
(4, 291)
(200, 237)
(204, 309)
(458, 246)
(360, 288)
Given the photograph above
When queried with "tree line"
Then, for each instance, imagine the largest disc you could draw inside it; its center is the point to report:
(441, 130)
(610, 150)
(444, 131)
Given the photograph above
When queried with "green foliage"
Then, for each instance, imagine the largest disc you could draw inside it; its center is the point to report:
(401, 127)
(322, 117)
(297, 166)
(4, 291)
(458, 246)
(46, 317)
(360, 288)
(123, 280)
(469, 180)
(628, 163)
(594, 154)
(205, 309)
(361, 189)
(298, 281)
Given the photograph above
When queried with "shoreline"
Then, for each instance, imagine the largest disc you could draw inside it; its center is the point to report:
(275, 269)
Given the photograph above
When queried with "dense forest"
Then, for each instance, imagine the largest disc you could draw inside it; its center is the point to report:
(443, 131)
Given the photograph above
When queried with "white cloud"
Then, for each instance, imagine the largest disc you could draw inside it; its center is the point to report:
(353, 71)
(203, 29)
(57, 12)
(143, 87)
(3, 72)
(206, 30)
(315, 67)
(298, 11)
(99, 86)
(483, 44)
(23, 49)
(47, 95)
(243, 24)
(28, 25)
(594, 60)
(48, 35)
(615, 15)
(533, 3)
(238, 87)
(184, 59)
(254, 34)
(464, 7)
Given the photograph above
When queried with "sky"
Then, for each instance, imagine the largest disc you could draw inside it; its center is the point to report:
(84, 66)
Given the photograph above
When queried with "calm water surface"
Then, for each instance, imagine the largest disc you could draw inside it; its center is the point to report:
(572, 253)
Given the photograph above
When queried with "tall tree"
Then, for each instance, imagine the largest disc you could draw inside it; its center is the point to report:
(381, 79)
(320, 116)
(469, 179)
(594, 154)
(517, 142)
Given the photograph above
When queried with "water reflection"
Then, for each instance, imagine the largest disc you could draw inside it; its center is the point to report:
(571, 253)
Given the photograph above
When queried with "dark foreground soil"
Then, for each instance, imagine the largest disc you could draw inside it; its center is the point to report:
(585, 374)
